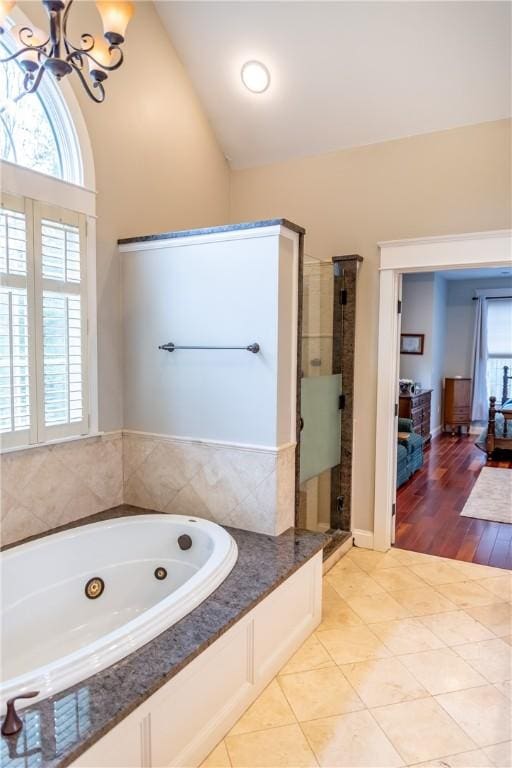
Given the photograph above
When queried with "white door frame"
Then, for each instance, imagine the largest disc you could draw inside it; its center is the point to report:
(473, 250)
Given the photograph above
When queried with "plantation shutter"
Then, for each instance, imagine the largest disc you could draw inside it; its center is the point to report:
(61, 307)
(18, 408)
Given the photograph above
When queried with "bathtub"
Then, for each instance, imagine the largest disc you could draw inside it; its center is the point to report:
(76, 602)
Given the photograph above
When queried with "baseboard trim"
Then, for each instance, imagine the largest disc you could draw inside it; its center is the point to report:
(363, 538)
(437, 430)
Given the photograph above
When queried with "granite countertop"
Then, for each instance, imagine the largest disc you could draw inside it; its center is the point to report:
(57, 730)
(214, 230)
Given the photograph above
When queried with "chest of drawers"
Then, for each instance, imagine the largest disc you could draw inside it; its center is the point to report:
(457, 403)
(417, 408)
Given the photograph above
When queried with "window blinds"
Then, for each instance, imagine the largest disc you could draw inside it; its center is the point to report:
(499, 327)
(43, 306)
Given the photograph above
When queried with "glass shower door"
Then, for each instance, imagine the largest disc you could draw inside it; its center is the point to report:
(320, 445)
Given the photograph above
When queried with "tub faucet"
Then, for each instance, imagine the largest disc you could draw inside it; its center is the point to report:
(12, 722)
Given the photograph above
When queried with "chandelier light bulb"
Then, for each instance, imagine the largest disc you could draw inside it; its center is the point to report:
(102, 54)
(115, 15)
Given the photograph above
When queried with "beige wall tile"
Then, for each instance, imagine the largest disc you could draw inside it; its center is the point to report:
(49, 486)
(246, 488)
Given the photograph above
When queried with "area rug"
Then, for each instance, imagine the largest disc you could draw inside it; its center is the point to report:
(491, 497)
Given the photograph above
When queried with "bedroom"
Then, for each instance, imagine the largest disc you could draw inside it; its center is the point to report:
(454, 457)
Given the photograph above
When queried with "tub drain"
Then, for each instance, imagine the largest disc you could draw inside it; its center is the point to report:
(94, 588)
(160, 573)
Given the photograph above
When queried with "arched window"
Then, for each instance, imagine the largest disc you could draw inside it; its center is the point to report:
(36, 130)
(48, 387)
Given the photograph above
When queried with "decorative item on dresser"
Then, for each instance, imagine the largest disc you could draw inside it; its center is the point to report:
(457, 403)
(416, 407)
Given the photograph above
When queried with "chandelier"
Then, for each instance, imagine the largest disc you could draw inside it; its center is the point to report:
(38, 52)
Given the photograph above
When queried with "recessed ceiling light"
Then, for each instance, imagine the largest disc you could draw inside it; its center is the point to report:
(255, 76)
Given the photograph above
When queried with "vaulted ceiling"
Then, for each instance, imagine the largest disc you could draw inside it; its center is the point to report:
(343, 73)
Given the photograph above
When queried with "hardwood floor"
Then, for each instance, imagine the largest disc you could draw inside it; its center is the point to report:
(429, 506)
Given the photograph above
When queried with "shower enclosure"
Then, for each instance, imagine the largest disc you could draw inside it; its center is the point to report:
(326, 389)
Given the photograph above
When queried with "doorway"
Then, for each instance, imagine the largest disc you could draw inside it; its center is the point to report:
(480, 250)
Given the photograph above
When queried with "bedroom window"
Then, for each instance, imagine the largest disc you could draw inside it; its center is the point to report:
(43, 323)
(499, 346)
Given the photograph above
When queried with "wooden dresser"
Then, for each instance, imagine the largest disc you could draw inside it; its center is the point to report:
(417, 408)
(457, 404)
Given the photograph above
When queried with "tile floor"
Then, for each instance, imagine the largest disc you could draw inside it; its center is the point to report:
(411, 666)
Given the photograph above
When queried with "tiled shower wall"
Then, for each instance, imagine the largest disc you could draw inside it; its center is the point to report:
(42, 488)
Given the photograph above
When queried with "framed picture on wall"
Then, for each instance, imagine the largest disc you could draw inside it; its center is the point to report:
(412, 343)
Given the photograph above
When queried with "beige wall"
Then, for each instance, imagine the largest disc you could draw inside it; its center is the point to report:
(158, 166)
(448, 182)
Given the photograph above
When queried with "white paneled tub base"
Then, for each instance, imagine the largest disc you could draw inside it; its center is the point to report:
(184, 720)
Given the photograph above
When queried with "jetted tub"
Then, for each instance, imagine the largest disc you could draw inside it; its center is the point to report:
(142, 573)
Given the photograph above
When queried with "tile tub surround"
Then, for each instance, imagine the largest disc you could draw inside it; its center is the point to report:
(249, 488)
(46, 487)
(424, 690)
(64, 726)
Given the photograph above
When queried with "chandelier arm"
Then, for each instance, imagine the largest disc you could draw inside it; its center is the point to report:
(30, 33)
(79, 54)
(87, 44)
(40, 50)
(86, 85)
